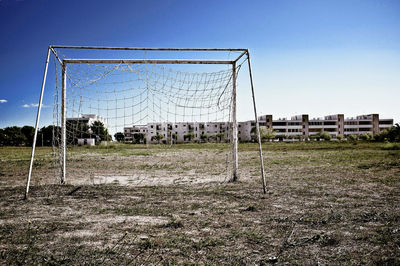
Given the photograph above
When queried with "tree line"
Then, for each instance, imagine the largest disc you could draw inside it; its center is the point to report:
(23, 136)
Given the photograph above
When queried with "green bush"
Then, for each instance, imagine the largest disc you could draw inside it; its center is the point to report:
(366, 137)
(325, 135)
(391, 134)
(352, 137)
(204, 137)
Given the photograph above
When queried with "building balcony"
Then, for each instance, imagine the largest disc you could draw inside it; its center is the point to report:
(352, 126)
(294, 133)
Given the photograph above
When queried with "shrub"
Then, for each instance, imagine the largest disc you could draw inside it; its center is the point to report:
(392, 134)
(352, 137)
(339, 137)
(204, 137)
(267, 134)
(325, 135)
(365, 137)
(189, 136)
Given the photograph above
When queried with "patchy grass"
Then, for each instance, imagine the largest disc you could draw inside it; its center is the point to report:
(391, 146)
(328, 203)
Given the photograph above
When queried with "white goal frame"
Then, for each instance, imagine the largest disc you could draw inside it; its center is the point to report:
(64, 62)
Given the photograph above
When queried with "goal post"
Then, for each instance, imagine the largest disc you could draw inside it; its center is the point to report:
(201, 99)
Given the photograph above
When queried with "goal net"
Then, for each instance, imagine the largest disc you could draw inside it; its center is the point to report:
(143, 120)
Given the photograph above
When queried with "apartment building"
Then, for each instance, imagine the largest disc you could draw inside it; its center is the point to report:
(179, 132)
(138, 130)
(299, 126)
(89, 119)
(302, 126)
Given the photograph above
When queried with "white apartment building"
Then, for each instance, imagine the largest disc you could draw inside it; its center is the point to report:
(302, 126)
(299, 126)
(177, 131)
(129, 132)
(89, 119)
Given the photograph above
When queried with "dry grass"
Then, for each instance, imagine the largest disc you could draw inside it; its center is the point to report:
(328, 203)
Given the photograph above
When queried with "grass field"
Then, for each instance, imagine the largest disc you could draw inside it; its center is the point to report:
(327, 203)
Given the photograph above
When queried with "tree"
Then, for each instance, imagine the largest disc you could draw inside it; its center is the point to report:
(212, 137)
(158, 137)
(13, 136)
(77, 129)
(253, 134)
(392, 134)
(204, 137)
(325, 135)
(2, 137)
(28, 132)
(138, 137)
(267, 134)
(100, 131)
(352, 137)
(365, 137)
(47, 134)
(189, 136)
(119, 136)
(220, 137)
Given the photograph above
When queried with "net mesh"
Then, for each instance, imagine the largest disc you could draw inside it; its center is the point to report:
(146, 106)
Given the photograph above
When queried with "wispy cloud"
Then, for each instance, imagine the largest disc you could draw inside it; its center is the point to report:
(33, 105)
(3, 101)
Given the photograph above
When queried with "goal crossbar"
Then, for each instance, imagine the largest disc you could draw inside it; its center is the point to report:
(149, 49)
(145, 61)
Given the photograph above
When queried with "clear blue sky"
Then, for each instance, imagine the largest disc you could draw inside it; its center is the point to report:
(315, 57)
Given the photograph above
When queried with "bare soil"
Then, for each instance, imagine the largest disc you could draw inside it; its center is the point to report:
(327, 203)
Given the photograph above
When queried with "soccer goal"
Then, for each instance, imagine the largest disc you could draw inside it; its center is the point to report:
(113, 104)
